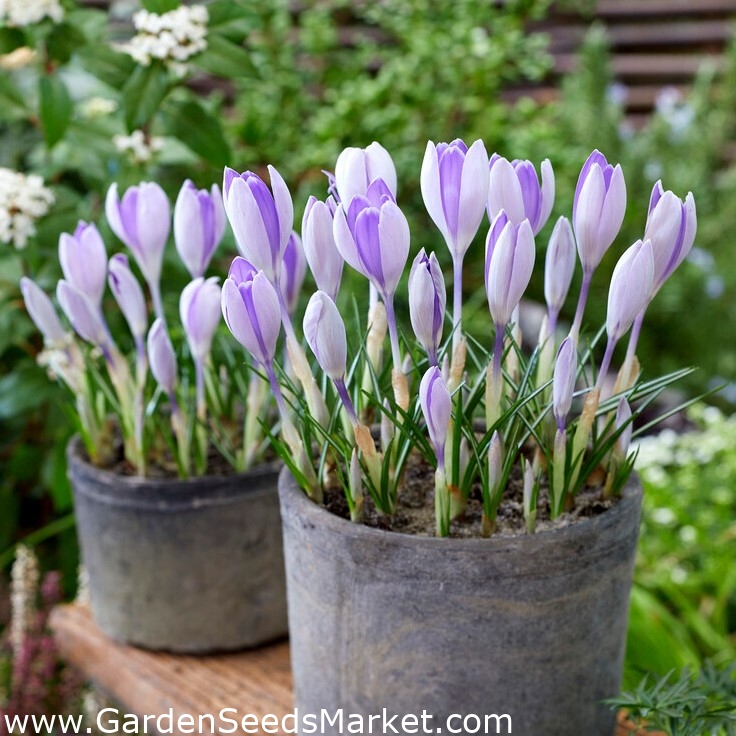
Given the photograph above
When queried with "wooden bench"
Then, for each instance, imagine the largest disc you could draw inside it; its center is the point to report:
(257, 682)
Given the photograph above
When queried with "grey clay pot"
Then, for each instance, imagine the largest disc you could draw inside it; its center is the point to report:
(530, 626)
(182, 565)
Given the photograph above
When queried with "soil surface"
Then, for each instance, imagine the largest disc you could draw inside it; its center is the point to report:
(415, 511)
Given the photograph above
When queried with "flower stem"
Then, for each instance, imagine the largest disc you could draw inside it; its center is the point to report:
(582, 300)
(457, 299)
(393, 332)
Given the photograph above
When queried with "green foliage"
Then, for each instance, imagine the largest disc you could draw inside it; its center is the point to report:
(702, 704)
(684, 603)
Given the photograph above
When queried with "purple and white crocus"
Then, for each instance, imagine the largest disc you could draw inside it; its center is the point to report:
(356, 168)
(372, 236)
(318, 240)
(454, 183)
(199, 224)
(597, 214)
(514, 188)
(427, 300)
(142, 220)
(83, 260)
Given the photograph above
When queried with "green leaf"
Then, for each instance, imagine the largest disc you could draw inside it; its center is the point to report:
(12, 102)
(63, 41)
(200, 130)
(109, 66)
(160, 6)
(54, 108)
(11, 39)
(143, 93)
(224, 58)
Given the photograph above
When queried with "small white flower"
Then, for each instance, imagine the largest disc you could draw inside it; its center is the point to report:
(98, 107)
(20, 13)
(172, 37)
(23, 199)
(139, 148)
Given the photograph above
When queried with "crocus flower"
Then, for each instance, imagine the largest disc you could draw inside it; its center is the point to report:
(252, 313)
(83, 260)
(436, 403)
(199, 224)
(356, 168)
(563, 382)
(142, 220)
(199, 309)
(671, 226)
(509, 263)
(373, 237)
(631, 288)
(559, 266)
(293, 270)
(129, 295)
(325, 334)
(454, 182)
(323, 257)
(261, 219)
(427, 299)
(623, 422)
(161, 357)
(598, 208)
(514, 188)
(85, 318)
(42, 312)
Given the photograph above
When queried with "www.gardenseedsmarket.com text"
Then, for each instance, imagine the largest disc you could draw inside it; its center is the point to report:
(228, 720)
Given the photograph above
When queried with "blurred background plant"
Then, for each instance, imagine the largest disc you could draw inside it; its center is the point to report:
(273, 82)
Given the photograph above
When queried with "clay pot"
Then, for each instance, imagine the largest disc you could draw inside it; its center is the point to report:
(532, 627)
(181, 565)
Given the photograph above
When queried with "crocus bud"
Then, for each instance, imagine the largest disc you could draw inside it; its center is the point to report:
(293, 270)
(623, 420)
(325, 261)
(356, 168)
(85, 318)
(509, 263)
(495, 465)
(427, 299)
(631, 288)
(199, 310)
(373, 237)
(252, 313)
(128, 294)
(563, 382)
(83, 260)
(514, 188)
(598, 208)
(325, 334)
(559, 265)
(261, 220)
(161, 357)
(42, 312)
(671, 226)
(454, 182)
(434, 397)
(199, 224)
(142, 220)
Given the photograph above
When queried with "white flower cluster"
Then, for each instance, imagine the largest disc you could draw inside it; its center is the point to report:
(23, 199)
(23, 590)
(26, 12)
(172, 37)
(98, 107)
(140, 149)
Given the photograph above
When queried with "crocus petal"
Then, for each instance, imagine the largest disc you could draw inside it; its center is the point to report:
(427, 300)
(612, 211)
(284, 207)
(199, 310)
(128, 294)
(631, 288)
(394, 238)
(83, 260)
(586, 217)
(431, 190)
(548, 194)
(436, 403)
(473, 194)
(563, 382)
(559, 264)
(380, 165)
(324, 331)
(42, 312)
(161, 357)
(504, 191)
(83, 315)
(293, 271)
(323, 257)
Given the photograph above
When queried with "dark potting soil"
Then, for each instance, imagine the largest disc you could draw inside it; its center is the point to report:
(415, 512)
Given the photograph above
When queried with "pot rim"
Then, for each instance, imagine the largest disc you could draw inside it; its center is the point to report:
(110, 486)
(305, 510)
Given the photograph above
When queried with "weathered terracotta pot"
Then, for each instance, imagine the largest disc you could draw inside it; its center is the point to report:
(181, 565)
(532, 627)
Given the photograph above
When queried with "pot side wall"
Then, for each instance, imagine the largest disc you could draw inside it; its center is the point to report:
(186, 566)
(532, 626)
